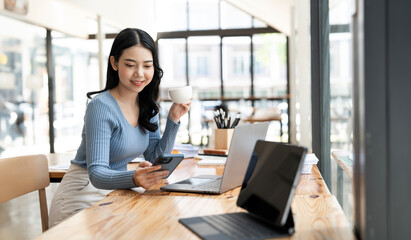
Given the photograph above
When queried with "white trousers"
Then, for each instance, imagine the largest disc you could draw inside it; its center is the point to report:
(74, 194)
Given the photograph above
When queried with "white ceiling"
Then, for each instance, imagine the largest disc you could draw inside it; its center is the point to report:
(121, 13)
(276, 13)
(73, 17)
(141, 13)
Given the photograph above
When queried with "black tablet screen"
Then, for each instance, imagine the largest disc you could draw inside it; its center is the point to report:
(270, 181)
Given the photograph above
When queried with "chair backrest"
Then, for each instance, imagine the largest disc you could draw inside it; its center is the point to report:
(24, 174)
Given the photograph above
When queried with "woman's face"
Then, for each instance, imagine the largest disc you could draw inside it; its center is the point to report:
(135, 68)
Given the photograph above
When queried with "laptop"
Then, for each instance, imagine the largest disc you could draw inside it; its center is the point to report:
(267, 191)
(241, 147)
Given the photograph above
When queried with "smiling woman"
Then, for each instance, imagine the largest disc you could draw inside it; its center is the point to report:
(135, 69)
(121, 123)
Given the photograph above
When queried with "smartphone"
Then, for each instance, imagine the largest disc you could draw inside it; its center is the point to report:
(168, 162)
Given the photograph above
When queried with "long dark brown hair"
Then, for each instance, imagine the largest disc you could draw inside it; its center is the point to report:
(147, 98)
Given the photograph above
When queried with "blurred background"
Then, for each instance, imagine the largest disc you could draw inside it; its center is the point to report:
(249, 57)
(252, 59)
(261, 59)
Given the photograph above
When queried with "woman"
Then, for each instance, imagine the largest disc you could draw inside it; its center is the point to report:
(120, 123)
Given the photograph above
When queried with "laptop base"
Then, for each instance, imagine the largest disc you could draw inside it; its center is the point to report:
(196, 185)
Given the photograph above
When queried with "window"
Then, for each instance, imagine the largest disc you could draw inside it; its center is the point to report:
(219, 54)
(203, 14)
(172, 57)
(341, 106)
(171, 15)
(23, 89)
(24, 109)
(204, 65)
(270, 65)
(76, 73)
(236, 67)
(258, 24)
(202, 68)
(231, 17)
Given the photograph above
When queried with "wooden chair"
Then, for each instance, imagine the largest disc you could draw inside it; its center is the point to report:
(24, 174)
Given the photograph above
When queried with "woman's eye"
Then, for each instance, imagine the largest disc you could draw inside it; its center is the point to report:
(128, 65)
(148, 66)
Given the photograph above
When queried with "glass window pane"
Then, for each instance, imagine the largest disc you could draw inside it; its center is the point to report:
(341, 80)
(341, 125)
(172, 55)
(171, 15)
(270, 65)
(204, 66)
(76, 73)
(236, 66)
(23, 89)
(340, 12)
(259, 24)
(203, 14)
(232, 17)
(205, 77)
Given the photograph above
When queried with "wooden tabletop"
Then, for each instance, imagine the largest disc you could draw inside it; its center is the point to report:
(56, 163)
(342, 157)
(154, 214)
(256, 120)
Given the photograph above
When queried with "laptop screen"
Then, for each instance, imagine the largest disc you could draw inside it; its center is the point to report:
(270, 181)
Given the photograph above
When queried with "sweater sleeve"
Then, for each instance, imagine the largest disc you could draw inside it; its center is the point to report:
(163, 145)
(100, 125)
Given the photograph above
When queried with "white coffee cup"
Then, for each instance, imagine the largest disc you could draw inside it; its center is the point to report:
(181, 94)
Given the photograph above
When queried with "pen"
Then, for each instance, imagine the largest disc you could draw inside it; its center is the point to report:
(222, 118)
(235, 123)
(216, 121)
(217, 118)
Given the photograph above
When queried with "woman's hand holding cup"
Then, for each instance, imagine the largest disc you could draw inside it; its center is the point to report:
(181, 98)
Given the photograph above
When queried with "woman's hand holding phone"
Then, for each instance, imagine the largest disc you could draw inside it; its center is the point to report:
(147, 175)
(169, 162)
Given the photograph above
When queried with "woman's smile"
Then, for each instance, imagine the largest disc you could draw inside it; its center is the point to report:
(137, 83)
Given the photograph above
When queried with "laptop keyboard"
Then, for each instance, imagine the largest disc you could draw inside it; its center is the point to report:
(239, 226)
(209, 186)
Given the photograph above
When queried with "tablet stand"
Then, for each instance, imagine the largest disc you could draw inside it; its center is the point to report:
(289, 224)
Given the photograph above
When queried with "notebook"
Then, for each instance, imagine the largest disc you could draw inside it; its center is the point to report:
(241, 147)
(266, 193)
(211, 160)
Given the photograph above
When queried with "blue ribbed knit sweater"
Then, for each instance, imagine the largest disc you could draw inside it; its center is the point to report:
(109, 143)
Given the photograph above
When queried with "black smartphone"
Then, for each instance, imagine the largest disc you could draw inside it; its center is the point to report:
(168, 162)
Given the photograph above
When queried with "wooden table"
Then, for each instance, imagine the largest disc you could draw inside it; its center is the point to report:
(59, 159)
(344, 161)
(344, 179)
(154, 214)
